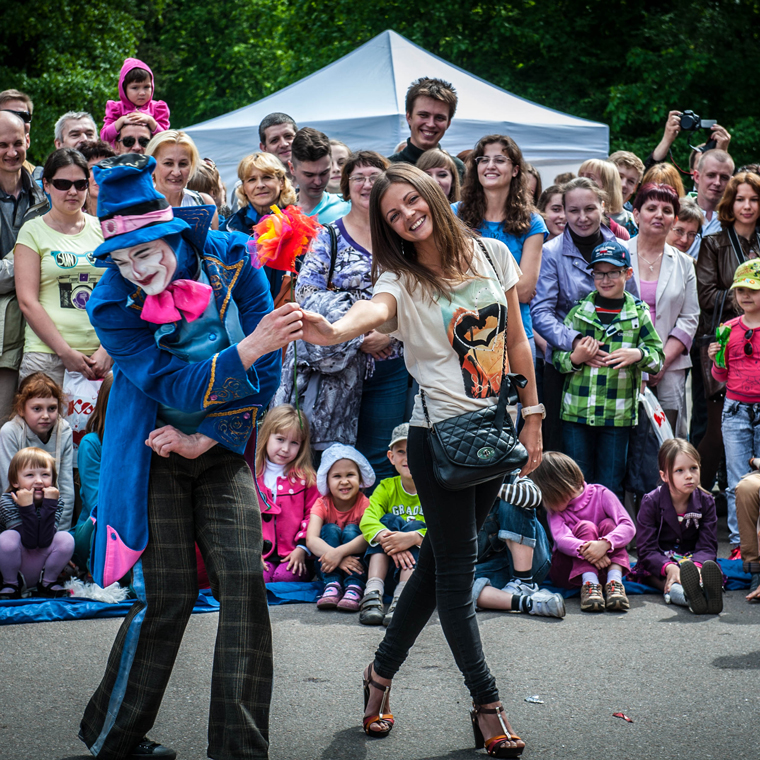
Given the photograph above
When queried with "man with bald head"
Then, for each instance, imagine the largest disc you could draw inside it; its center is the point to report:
(21, 199)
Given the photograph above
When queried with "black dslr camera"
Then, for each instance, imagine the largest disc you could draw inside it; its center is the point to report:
(690, 122)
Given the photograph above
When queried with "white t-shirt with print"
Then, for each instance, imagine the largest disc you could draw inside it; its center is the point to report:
(454, 346)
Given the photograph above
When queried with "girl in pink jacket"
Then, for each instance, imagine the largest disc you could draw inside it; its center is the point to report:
(287, 483)
(591, 530)
(136, 104)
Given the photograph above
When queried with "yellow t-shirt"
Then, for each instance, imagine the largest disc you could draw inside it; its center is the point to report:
(67, 276)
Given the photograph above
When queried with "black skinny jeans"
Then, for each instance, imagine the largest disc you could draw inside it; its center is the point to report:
(444, 574)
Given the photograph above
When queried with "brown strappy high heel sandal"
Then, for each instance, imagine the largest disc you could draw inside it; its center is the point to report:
(495, 745)
(381, 717)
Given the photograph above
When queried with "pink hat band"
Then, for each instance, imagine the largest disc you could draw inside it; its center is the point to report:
(120, 225)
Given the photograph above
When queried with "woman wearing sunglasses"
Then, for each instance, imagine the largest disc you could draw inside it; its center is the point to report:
(362, 383)
(720, 255)
(55, 276)
(177, 158)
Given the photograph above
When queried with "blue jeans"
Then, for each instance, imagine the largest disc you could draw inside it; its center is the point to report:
(396, 523)
(600, 452)
(741, 439)
(509, 523)
(335, 537)
(383, 407)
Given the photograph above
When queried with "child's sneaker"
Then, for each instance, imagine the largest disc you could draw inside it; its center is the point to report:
(591, 597)
(352, 599)
(330, 597)
(389, 615)
(693, 588)
(516, 587)
(547, 604)
(615, 597)
(371, 609)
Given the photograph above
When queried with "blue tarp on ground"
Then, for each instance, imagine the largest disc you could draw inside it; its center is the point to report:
(33, 610)
(47, 610)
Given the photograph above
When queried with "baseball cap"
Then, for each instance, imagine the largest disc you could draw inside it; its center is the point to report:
(610, 252)
(747, 275)
(400, 433)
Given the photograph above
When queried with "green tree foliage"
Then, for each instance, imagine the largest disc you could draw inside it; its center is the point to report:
(623, 62)
(66, 55)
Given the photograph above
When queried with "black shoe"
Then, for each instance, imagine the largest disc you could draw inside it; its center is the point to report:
(148, 749)
(692, 588)
(371, 609)
(712, 583)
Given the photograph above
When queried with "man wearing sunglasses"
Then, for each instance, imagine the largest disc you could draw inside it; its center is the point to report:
(21, 199)
(133, 138)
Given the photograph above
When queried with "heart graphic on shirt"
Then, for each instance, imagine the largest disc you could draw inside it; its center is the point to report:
(478, 337)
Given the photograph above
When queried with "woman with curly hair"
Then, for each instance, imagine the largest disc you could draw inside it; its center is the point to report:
(264, 183)
(497, 203)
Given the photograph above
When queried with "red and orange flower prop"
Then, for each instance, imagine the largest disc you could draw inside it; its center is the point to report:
(281, 237)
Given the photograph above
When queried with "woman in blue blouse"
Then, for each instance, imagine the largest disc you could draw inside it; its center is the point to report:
(496, 201)
(355, 392)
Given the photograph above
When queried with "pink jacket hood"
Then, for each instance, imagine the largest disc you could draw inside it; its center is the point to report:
(129, 64)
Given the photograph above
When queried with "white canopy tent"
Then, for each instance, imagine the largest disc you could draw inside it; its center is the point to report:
(359, 99)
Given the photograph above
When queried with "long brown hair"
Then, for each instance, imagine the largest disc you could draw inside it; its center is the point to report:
(285, 419)
(518, 205)
(726, 205)
(97, 421)
(390, 253)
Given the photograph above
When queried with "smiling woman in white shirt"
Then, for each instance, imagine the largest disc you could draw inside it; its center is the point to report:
(452, 299)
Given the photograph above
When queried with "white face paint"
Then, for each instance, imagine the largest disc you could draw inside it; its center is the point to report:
(150, 266)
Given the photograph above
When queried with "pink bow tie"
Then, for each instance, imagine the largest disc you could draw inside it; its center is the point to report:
(186, 296)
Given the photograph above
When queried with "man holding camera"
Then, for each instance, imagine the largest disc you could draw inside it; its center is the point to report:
(713, 169)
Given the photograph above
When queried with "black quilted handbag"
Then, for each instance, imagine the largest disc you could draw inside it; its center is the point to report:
(478, 446)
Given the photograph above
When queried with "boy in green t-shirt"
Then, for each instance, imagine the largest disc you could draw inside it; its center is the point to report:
(393, 527)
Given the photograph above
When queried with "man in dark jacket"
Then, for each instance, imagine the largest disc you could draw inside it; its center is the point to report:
(21, 199)
(430, 107)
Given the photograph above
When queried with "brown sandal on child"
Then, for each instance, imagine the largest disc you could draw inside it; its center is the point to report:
(381, 717)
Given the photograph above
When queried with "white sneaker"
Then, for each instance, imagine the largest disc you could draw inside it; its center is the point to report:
(547, 604)
(520, 588)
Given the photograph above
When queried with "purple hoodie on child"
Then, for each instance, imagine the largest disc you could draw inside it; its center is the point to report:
(115, 110)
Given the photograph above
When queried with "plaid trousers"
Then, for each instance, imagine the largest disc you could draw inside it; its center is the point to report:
(211, 500)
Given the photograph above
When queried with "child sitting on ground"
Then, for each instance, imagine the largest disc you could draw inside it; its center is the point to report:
(31, 542)
(393, 527)
(136, 104)
(591, 530)
(38, 408)
(616, 342)
(333, 534)
(287, 483)
(514, 555)
(677, 534)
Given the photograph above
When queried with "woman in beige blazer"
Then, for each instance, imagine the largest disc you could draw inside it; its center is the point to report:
(667, 282)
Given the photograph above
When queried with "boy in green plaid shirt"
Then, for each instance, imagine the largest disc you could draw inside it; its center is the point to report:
(616, 343)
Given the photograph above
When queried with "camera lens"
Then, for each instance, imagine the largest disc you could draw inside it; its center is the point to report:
(689, 121)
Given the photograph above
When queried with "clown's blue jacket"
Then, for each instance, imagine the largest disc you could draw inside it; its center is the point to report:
(146, 375)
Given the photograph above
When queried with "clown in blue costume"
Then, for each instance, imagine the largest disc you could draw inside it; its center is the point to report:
(190, 327)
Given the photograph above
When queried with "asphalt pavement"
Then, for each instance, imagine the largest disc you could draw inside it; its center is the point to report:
(690, 685)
